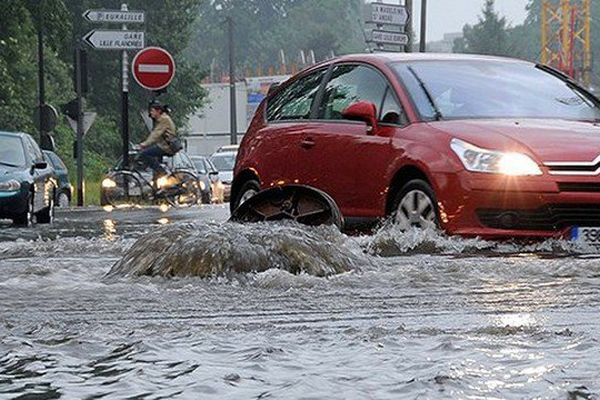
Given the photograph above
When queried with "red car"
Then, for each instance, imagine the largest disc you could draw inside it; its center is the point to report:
(475, 145)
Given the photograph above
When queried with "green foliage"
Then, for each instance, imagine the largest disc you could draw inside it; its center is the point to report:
(488, 36)
(264, 27)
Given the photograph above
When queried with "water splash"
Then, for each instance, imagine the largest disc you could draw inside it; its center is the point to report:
(390, 241)
(209, 250)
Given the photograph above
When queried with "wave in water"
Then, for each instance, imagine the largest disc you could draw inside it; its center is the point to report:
(209, 250)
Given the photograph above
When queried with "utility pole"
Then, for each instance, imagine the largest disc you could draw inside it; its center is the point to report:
(423, 40)
(41, 86)
(232, 101)
(408, 29)
(79, 150)
(125, 100)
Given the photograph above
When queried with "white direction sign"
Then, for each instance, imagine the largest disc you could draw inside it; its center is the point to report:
(118, 16)
(387, 37)
(88, 120)
(115, 40)
(386, 14)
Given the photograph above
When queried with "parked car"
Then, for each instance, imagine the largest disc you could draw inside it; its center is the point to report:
(228, 148)
(27, 185)
(475, 145)
(225, 161)
(179, 162)
(65, 190)
(212, 188)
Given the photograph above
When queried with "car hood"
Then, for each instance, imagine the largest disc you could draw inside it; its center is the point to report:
(7, 173)
(548, 140)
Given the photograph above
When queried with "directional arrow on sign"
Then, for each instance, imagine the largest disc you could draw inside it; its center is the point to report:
(115, 40)
(123, 17)
(387, 37)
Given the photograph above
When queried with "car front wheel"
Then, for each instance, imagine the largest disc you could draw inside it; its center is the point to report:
(26, 217)
(63, 200)
(415, 205)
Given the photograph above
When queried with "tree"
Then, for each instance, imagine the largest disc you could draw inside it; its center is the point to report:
(488, 36)
(265, 27)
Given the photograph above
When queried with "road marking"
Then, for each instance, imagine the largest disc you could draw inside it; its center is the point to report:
(155, 68)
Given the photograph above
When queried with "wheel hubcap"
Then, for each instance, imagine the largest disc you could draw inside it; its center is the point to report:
(415, 210)
(246, 195)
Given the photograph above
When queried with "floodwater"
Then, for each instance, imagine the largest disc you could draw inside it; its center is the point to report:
(289, 312)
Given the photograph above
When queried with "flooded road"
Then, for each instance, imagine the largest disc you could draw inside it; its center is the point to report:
(289, 312)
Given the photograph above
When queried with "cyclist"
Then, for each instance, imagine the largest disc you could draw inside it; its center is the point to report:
(162, 141)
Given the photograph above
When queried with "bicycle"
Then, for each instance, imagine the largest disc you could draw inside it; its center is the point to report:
(137, 185)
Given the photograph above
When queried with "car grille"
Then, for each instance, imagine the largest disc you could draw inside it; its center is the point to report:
(579, 187)
(574, 168)
(552, 217)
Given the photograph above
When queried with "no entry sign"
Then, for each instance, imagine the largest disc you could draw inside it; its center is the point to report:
(153, 68)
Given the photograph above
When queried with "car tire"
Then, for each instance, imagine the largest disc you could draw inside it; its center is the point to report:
(415, 205)
(206, 197)
(46, 216)
(248, 189)
(25, 218)
(63, 200)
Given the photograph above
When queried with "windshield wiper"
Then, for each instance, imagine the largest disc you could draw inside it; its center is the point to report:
(9, 164)
(437, 113)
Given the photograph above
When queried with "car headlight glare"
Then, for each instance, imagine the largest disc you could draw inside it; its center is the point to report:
(476, 159)
(10, 186)
(108, 183)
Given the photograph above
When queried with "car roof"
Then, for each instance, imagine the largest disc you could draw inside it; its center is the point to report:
(17, 134)
(404, 57)
(228, 148)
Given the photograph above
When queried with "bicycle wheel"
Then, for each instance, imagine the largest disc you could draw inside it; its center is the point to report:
(127, 190)
(188, 192)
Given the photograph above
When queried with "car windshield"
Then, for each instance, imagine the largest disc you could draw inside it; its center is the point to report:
(492, 89)
(224, 162)
(199, 163)
(11, 151)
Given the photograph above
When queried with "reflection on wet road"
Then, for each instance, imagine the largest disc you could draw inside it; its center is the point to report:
(410, 315)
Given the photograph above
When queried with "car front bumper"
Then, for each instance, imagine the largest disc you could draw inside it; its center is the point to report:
(491, 206)
(12, 203)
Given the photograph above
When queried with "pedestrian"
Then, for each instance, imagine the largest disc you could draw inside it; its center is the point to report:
(162, 141)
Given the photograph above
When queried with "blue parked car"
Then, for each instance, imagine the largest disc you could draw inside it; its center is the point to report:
(27, 183)
(65, 190)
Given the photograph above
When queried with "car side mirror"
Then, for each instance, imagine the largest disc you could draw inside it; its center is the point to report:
(214, 173)
(40, 165)
(364, 111)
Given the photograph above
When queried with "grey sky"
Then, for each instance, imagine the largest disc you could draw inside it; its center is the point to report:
(445, 16)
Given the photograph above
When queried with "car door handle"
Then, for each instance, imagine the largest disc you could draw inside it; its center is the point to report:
(307, 143)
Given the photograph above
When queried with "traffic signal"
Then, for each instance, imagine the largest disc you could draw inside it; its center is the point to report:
(70, 109)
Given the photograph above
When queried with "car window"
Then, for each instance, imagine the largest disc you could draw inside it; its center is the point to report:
(224, 162)
(200, 165)
(57, 162)
(296, 100)
(33, 149)
(209, 166)
(349, 84)
(391, 111)
(11, 151)
(493, 89)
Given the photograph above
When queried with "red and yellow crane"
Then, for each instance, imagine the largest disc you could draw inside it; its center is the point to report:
(566, 37)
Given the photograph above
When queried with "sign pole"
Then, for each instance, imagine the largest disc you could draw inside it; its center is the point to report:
(125, 101)
(423, 40)
(41, 93)
(79, 152)
(232, 101)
